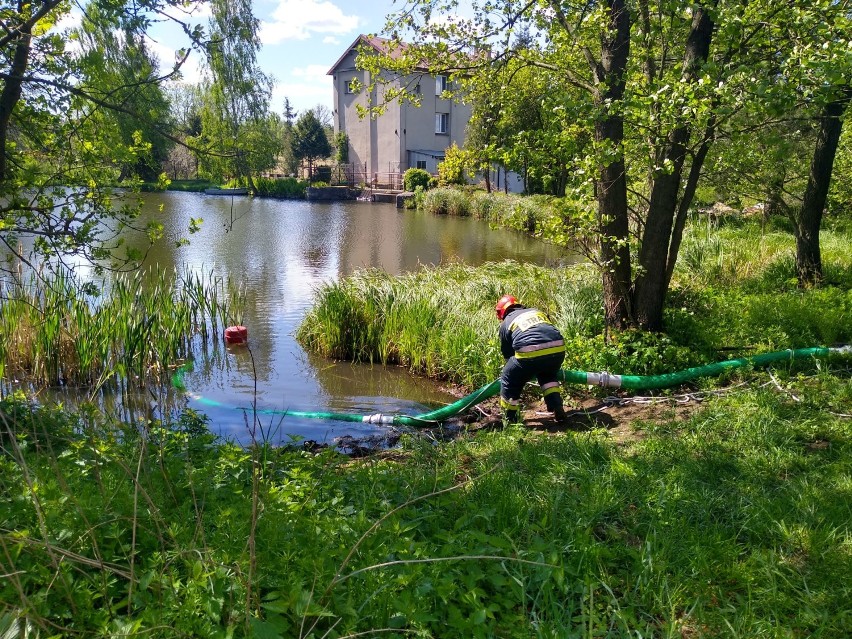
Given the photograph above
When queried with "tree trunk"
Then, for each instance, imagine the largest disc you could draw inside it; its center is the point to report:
(686, 199)
(13, 86)
(808, 221)
(611, 184)
(654, 254)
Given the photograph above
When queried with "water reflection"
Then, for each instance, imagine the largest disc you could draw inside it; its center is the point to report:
(281, 251)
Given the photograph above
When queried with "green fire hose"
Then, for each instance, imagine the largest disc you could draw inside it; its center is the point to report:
(632, 382)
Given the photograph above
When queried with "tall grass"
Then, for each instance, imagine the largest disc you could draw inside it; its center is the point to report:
(281, 187)
(438, 321)
(552, 219)
(55, 331)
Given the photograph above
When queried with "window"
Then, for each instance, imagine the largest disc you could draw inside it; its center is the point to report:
(421, 164)
(442, 122)
(349, 88)
(441, 84)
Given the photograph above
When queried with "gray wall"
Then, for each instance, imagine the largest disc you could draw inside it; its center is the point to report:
(383, 143)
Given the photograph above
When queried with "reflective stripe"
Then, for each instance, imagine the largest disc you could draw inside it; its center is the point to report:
(536, 347)
(378, 418)
(509, 403)
(540, 353)
(550, 389)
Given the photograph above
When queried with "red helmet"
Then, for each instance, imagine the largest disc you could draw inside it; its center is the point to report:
(504, 304)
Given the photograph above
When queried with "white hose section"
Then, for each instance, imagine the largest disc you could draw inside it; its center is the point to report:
(842, 350)
(378, 418)
(603, 379)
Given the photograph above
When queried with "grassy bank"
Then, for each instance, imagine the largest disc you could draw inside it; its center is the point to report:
(734, 293)
(283, 188)
(734, 523)
(191, 186)
(546, 217)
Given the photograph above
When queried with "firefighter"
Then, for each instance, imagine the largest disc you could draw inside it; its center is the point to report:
(533, 347)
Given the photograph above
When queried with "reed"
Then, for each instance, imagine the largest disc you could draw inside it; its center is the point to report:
(56, 332)
(438, 321)
(555, 220)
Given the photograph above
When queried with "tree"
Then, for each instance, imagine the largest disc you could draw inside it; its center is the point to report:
(60, 127)
(783, 146)
(117, 66)
(286, 159)
(341, 147)
(185, 102)
(649, 84)
(324, 116)
(235, 118)
(309, 141)
(808, 219)
(289, 112)
(819, 65)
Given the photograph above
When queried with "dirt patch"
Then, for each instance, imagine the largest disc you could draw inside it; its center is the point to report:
(621, 417)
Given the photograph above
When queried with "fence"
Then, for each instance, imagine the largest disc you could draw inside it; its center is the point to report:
(356, 176)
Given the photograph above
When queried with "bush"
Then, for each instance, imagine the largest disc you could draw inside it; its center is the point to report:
(284, 188)
(444, 201)
(457, 167)
(414, 178)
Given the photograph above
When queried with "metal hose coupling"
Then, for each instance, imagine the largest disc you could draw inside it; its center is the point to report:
(378, 418)
(603, 379)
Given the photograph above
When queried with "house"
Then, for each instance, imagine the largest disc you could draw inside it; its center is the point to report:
(404, 136)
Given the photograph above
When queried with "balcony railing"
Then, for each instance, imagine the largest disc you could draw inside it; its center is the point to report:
(356, 177)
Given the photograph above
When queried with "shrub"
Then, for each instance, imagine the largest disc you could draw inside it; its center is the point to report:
(341, 146)
(322, 173)
(285, 188)
(456, 168)
(414, 178)
(442, 201)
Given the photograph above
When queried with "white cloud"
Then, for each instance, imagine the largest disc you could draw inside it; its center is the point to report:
(331, 40)
(300, 19)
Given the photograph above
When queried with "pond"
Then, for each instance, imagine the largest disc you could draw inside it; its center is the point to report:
(280, 251)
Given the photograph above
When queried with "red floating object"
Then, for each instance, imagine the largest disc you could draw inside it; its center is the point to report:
(236, 335)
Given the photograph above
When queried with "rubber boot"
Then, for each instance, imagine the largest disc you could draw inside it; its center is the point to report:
(511, 417)
(553, 401)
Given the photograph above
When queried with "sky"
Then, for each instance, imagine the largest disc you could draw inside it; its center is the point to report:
(301, 40)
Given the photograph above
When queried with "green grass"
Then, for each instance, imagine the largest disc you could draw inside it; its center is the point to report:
(54, 330)
(734, 523)
(439, 321)
(550, 219)
(196, 186)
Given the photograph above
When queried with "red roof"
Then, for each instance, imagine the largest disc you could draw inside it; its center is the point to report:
(382, 46)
